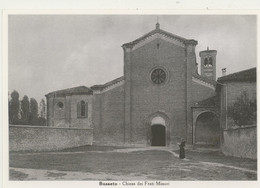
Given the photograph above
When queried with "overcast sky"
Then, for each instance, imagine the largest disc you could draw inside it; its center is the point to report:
(52, 52)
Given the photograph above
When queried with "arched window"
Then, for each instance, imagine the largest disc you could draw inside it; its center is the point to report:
(82, 109)
(206, 62)
(210, 62)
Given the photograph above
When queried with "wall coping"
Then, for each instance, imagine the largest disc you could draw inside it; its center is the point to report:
(216, 107)
(45, 127)
(242, 127)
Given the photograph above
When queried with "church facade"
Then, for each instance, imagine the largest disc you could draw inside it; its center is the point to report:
(160, 99)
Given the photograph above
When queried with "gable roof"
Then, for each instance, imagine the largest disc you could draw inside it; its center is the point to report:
(248, 75)
(160, 31)
(75, 90)
(101, 87)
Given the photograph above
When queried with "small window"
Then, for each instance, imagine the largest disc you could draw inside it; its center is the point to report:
(60, 104)
(82, 109)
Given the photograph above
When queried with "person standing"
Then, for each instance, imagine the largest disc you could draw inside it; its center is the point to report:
(182, 150)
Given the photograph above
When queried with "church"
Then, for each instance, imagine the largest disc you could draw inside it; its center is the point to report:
(160, 99)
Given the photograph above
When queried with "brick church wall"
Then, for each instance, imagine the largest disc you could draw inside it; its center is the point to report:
(81, 122)
(148, 98)
(67, 115)
(200, 92)
(108, 117)
(56, 116)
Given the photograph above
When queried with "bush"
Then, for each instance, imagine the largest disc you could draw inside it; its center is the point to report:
(243, 110)
(17, 121)
(36, 121)
(41, 121)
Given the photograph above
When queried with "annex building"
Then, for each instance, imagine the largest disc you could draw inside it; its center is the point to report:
(160, 99)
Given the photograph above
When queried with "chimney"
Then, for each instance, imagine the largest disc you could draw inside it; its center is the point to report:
(224, 71)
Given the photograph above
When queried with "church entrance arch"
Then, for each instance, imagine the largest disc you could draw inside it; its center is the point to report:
(158, 129)
(158, 137)
(207, 131)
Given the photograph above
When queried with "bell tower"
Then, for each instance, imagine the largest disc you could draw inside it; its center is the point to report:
(208, 63)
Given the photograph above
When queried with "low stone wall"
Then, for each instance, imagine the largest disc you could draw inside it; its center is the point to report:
(35, 138)
(240, 142)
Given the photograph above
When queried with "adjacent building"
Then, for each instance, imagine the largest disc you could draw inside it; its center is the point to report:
(237, 94)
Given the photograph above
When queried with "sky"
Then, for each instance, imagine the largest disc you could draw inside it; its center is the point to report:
(53, 52)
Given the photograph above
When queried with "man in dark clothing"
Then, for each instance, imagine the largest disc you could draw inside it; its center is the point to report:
(182, 150)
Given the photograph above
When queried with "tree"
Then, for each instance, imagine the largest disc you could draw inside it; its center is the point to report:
(25, 107)
(33, 119)
(14, 106)
(9, 108)
(243, 110)
(42, 109)
(41, 121)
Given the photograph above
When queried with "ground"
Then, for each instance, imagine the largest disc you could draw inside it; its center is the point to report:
(118, 163)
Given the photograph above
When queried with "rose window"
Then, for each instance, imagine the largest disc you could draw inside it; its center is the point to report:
(158, 76)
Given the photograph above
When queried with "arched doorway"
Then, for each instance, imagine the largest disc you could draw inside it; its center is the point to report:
(158, 137)
(207, 131)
